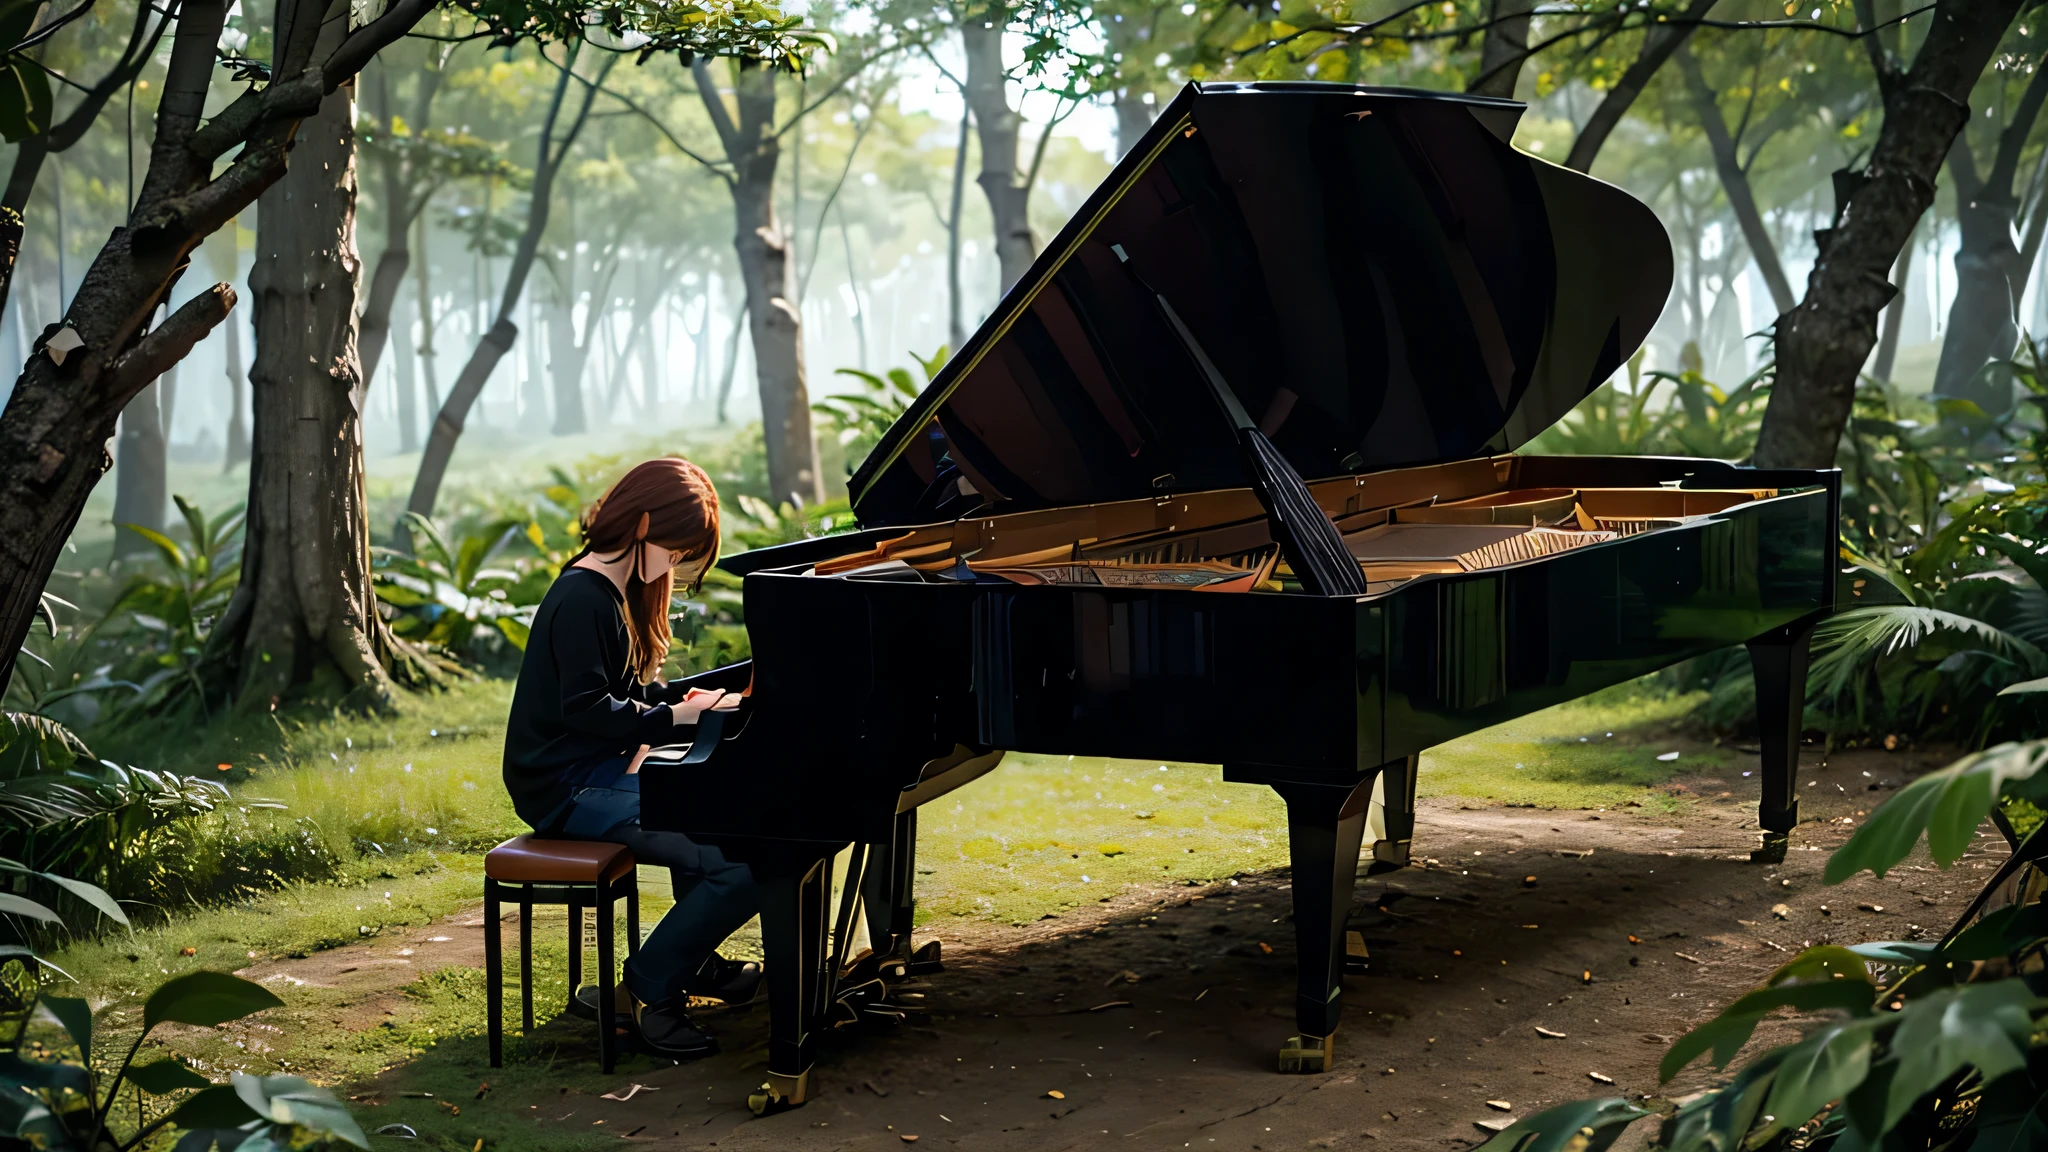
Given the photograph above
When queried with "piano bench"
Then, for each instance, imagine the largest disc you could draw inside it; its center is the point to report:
(528, 870)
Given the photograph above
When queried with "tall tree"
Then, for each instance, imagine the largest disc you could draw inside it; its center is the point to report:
(304, 615)
(1824, 342)
(35, 150)
(552, 152)
(224, 259)
(406, 163)
(140, 498)
(203, 171)
(999, 130)
(752, 145)
(1503, 49)
(1993, 259)
(1734, 172)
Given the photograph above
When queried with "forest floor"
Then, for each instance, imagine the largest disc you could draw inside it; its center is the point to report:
(1157, 1007)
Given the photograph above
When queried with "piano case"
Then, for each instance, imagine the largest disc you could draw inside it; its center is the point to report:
(1059, 552)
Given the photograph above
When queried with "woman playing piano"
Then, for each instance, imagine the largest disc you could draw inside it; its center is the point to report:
(588, 712)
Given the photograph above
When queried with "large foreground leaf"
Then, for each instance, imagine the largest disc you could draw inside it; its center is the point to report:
(1947, 806)
(1580, 1126)
(205, 999)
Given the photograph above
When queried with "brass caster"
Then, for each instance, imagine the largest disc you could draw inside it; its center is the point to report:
(780, 1093)
(1308, 1053)
(1772, 851)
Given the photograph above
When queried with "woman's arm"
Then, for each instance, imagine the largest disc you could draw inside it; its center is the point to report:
(585, 657)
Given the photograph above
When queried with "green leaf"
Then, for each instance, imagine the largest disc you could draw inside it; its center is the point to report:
(1717, 1120)
(1998, 933)
(1724, 1035)
(173, 555)
(24, 99)
(205, 999)
(92, 894)
(1897, 953)
(2012, 1117)
(76, 1017)
(12, 905)
(217, 1107)
(1947, 805)
(1580, 1126)
(292, 1101)
(2025, 686)
(1850, 995)
(208, 1139)
(515, 630)
(167, 1075)
(1983, 1026)
(1823, 1067)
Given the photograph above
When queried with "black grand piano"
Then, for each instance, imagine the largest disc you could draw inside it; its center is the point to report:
(1062, 550)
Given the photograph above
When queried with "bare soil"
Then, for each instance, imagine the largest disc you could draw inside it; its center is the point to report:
(1157, 1013)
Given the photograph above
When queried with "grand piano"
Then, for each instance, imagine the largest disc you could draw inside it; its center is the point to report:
(1061, 549)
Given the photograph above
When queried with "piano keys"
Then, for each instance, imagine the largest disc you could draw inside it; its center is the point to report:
(1061, 552)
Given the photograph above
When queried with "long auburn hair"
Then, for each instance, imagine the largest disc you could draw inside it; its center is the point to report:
(671, 503)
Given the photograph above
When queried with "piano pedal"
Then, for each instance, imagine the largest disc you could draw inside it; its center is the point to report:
(1356, 958)
(924, 960)
(1308, 1054)
(780, 1093)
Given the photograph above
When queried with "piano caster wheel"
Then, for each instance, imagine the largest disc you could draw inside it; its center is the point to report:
(1308, 1054)
(1773, 848)
(780, 1093)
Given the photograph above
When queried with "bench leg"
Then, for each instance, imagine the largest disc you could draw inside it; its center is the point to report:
(1325, 824)
(607, 1036)
(795, 894)
(526, 958)
(575, 944)
(494, 975)
(1779, 658)
(632, 914)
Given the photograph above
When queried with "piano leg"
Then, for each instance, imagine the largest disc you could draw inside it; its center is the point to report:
(888, 893)
(795, 908)
(1778, 658)
(1325, 824)
(1397, 814)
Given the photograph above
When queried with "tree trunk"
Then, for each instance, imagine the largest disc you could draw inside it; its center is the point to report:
(1992, 265)
(404, 365)
(732, 362)
(1504, 50)
(956, 325)
(238, 397)
(1735, 181)
(1825, 341)
(765, 269)
(499, 337)
(403, 203)
(998, 128)
(567, 359)
(1658, 45)
(430, 374)
(1894, 316)
(139, 480)
(303, 618)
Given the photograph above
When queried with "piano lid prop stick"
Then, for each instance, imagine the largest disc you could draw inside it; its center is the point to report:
(1309, 538)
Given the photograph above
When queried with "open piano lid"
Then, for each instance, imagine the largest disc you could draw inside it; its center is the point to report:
(1381, 277)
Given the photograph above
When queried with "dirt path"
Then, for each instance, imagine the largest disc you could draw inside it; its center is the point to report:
(1157, 1013)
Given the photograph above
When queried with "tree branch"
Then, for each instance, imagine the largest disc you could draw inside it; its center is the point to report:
(1658, 44)
(666, 134)
(166, 344)
(714, 107)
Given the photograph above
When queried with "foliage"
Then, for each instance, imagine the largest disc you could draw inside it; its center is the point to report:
(1921, 1038)
(176, 607)
(1698, 419)
(63, 810)
(63, 1106)
(453, 597)
(861, 418)
(25, 97)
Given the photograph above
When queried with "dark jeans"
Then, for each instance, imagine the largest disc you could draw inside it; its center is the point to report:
(714, 896)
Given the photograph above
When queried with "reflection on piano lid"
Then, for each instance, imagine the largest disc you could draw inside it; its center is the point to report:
(1379, 277)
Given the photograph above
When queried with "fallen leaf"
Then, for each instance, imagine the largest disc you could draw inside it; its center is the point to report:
(1684, 956)
(870, 1085)
(1056, 1094)
(1586, 977)
(1597, 1078)
(1668, 757)
(1871, 907)
(1494, 1125)
(1547, 1034)
(1500, 1106)
(1265, 948)
(1111, 1004)
(188, 950)
(631, 1092)
(906, 1137)
(453, 1109)
(1632, 939)
(1126, 976)
(1781, 911)
(1528, 881)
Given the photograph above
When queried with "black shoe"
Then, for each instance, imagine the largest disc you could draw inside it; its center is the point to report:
(669, 1032)
(584, 1003)
(733, 981)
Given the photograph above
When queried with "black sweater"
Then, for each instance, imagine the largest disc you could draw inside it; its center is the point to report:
(577, 701)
